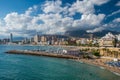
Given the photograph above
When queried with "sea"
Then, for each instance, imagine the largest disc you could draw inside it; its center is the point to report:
(29, 67)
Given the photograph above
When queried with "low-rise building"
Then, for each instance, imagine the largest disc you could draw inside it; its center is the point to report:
(118, 37)
(107, 40)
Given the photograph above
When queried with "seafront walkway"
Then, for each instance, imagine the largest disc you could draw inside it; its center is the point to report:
(111, 58)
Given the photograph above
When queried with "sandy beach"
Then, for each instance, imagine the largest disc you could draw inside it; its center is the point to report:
(101, 63)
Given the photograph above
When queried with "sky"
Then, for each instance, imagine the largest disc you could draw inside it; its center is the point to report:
(28, 17)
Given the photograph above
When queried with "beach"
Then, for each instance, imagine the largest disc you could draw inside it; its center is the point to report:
(102, 64)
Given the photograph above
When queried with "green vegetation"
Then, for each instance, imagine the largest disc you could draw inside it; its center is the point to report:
(87, 57)
(96, 53)
(115, 42)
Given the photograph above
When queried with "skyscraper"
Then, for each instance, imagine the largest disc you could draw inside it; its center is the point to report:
(11, 37)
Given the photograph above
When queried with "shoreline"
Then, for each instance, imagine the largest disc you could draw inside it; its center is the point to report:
(101, 63)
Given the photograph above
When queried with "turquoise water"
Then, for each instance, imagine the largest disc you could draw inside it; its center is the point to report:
(27, 67)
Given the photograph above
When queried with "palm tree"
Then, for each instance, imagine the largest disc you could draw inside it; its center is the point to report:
(116, 54)
(107, 52)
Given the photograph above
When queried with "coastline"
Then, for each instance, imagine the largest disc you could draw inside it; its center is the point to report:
(101, 63)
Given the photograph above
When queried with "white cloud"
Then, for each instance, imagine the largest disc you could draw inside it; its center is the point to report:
(96, 30)
(85, 6)
(113, 25)
(118, 4)
(54, 19)
(52, 23)
(89, 21)
(15, 21)
(51, 6)
(113, 13)
(117, 20)
(99, 2)
(92, 19)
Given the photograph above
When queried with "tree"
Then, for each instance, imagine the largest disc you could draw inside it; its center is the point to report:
(96, 53)
(115, 42)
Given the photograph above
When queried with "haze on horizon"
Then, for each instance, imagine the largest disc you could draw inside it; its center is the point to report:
(28, 17)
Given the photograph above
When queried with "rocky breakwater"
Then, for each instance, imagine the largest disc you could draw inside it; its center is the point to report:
(41, 53)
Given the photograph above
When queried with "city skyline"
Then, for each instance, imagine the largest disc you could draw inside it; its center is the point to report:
(59, 39)
(26, 18)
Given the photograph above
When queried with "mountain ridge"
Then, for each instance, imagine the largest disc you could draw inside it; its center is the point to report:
(84, 34)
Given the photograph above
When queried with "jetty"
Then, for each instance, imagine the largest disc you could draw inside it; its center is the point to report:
(41, 53)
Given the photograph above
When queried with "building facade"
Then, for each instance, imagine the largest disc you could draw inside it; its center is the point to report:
(107, 40)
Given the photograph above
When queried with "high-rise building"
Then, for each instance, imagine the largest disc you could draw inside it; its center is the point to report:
(11, 37)
(37, 39)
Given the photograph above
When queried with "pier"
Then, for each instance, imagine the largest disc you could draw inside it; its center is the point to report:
(41, 53)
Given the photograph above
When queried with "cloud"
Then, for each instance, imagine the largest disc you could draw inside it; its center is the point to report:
(51, 6)
(113, 13)
(54, 18)
(99, 2)
(15, 21)
(92, 19)
(88, 21)
(113, 25)
(95, 30)
(117, 20)
(118, 4)
(31, 9)
(85, 6)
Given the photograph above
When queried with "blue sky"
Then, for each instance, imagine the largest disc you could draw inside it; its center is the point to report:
(26, 17)
(19, 6)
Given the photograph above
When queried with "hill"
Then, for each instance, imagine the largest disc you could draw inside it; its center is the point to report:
(84, 34)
